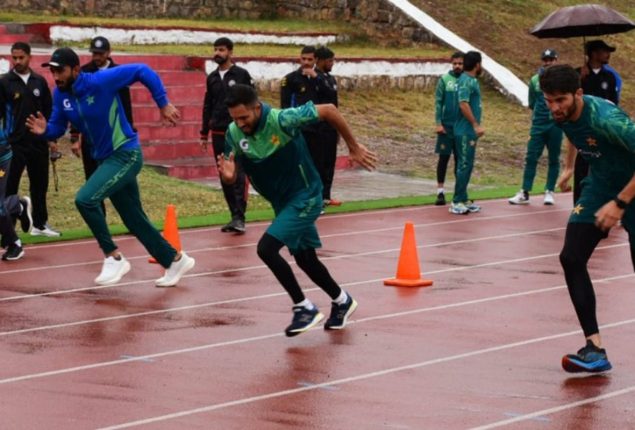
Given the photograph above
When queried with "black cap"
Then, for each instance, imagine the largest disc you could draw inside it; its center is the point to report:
(597, 45)
(63, 57)
(549, 53)
(99, 44)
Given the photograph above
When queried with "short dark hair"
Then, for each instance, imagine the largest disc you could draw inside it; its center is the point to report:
(470, 60)
(22, 46)
(457, 54)
(324, 53)
(224, 41)
(308, 49)
(240, 94)
(560, 79)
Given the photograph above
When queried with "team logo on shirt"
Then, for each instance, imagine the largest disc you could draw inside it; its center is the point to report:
(67, 104)
(591, 141)
(275, 140)
(577, 209)
(244, 144)
(604, 85)
(472, 142)
(90, 100)
(302, 89)
(231, 83)
(16, 95)
(2, 173)
(36, 92)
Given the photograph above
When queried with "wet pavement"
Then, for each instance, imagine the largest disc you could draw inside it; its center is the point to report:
(357, 185)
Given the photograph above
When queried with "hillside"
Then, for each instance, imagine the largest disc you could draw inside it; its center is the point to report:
(501, 28)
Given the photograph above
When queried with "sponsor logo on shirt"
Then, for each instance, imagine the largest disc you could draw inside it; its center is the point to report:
(36, 92)
(231, 83)
(244, 144)
(67, 104)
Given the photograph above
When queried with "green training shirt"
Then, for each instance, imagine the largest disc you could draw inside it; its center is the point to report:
(605, 136)
(469, 91)
(275, 157)
(446, 102)
(541, 119)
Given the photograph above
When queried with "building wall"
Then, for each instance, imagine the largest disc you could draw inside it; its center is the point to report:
(377, 17)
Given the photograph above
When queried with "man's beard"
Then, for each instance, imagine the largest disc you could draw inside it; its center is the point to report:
(220, 60)
(67, 87)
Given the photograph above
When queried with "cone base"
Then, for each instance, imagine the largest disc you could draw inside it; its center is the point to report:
(407, 282)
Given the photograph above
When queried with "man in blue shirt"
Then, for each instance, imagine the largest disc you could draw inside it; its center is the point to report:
(91, 103)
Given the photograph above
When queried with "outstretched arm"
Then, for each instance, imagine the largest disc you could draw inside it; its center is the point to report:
(358, 152)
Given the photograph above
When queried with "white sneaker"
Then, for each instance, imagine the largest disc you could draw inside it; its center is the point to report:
(549, 200)
(521, 198)
(458, 209)
(176, 270)
(112, 271)
(45, 231)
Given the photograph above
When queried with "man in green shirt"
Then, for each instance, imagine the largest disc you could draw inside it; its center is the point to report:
(446, 110)
(543, 133)
(605, 136)
(269, 144)
(467, 131)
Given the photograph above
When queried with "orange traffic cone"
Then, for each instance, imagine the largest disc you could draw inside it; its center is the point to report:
(170, 230)
(408, 272)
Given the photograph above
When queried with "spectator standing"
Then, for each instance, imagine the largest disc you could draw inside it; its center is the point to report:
(467, 131)
(25, 93)
(543, 133)
(101, 60)
(446, 108)
(216, 119)
(600, 81)
(325, 155)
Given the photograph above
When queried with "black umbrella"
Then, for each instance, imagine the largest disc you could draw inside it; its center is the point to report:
(582, 20)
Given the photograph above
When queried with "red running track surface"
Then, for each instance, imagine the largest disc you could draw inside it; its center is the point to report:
(479, 349)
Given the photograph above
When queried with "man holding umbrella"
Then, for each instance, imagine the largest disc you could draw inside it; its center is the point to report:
(605, 136)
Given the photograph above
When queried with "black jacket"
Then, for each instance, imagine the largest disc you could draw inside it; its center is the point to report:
(327, 93)
(124, 93)
(602, 84)
(215, 112)
(296, 89)
(19, 100)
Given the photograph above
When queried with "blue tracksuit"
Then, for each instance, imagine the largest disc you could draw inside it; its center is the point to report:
(93, 106)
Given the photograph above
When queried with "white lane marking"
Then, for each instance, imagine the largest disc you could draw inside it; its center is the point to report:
(261, 266)
(564, 407)
(361, 377)
(253, 244)
(274, 335)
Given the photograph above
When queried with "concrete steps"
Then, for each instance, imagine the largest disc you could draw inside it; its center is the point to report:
(174, 151)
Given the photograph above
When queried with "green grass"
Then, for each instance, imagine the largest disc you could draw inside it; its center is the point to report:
(272, 25)
(510, 43)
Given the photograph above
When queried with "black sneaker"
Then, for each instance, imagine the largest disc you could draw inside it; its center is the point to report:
(588, 359)
(303, 320)
(340, 314)
(234, 226)
(440, 201)
(14, 252)
(25, 217)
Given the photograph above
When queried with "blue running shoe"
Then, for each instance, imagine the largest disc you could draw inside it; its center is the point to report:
(340, 313)
(588, 359)
(303, 320)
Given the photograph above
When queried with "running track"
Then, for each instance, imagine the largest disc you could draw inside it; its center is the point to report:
(479, 349)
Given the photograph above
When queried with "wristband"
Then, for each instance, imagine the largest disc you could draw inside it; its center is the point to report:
(620, 203)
